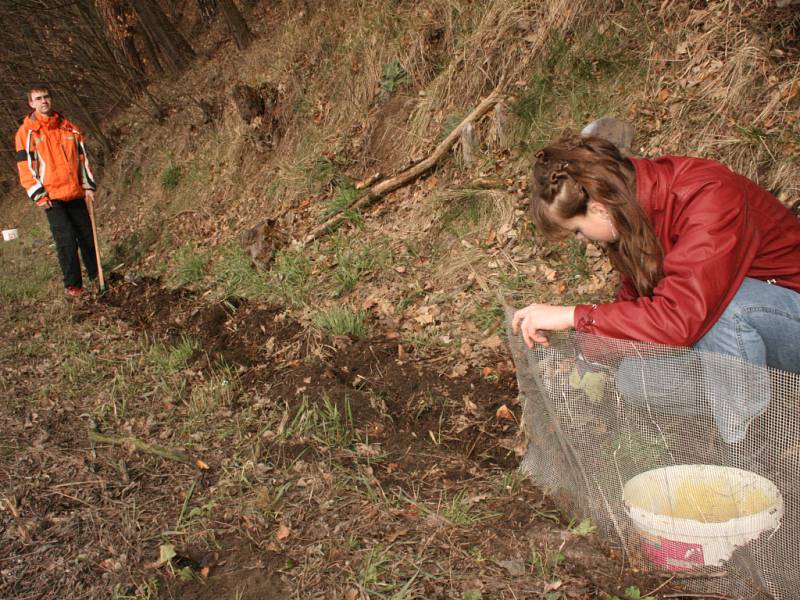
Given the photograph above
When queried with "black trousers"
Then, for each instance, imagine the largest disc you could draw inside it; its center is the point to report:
(72, 229)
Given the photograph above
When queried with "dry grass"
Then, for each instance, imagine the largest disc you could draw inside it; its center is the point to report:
(730, 95)
(730, 89)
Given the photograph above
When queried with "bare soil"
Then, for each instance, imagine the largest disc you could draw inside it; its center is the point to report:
(421, 493)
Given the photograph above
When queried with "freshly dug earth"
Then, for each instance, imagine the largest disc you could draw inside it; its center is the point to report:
(338, 468)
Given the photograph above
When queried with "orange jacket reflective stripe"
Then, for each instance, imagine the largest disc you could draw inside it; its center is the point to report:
(51, 158)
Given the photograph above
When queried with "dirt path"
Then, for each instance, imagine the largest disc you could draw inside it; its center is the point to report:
(339, 468)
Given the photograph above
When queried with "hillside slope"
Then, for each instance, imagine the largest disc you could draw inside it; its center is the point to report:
(352, 394)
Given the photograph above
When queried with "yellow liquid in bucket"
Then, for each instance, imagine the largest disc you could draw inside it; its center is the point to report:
(716, 501)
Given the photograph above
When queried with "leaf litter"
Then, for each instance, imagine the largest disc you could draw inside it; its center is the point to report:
(334, 468)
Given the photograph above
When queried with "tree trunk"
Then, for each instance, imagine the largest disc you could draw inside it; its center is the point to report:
(237, 23)
(118, 55)
(174, 49)
(126, 42)
(149, 50)
(208, 10)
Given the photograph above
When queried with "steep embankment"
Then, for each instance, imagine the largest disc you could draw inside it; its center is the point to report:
(353, 397)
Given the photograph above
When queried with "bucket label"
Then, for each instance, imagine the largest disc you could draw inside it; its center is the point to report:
(672, 554)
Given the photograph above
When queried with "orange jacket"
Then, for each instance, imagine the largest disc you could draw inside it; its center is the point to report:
(51, 159)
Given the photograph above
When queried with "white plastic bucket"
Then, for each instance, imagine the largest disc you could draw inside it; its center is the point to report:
(10, 234)
(693, 515)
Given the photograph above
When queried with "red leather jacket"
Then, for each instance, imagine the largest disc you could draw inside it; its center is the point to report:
(716, 228)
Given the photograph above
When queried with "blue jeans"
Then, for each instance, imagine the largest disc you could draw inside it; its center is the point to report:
(759, 328)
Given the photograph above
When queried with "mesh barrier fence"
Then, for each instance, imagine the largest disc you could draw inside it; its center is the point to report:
(689, 461)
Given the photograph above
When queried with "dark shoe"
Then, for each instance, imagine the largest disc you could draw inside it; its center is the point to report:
(73, 291)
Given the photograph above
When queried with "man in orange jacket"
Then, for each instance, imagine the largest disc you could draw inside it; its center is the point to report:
(54, 170)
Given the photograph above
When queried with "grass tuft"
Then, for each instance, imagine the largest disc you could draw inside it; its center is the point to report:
(341, 320)
(170, 177)
(343, 198)
(394, 75)
(190, 265)
(325, 422)
(290, 277)
(462, 214)
(352, 261)
(170, 359)
(235, 274)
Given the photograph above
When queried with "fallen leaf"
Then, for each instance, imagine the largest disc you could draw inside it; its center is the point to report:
(515, 567)
(109, 564)
(166, 552)
(663, 94)
(503, 413)
(493, 343)
(486, 371)
(204, 571)
(391, 537)
(351, 594)
(283, 532)
(458, 371)
(470, 405)
(553, 586)
(368, 450)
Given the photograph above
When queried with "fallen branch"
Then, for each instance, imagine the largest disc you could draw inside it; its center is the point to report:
(145, 447)
(389, 185)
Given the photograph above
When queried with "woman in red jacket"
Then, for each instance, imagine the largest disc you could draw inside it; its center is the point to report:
(708, 259)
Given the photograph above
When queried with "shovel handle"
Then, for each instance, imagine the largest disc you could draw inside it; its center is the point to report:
(101, 278)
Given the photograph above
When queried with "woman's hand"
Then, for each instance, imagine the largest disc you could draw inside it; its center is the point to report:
(536, 318)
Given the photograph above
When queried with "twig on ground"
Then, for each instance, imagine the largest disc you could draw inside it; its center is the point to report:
(141, 446)
(389, 185)
(653, 592)
(186, 501)
(701, 595)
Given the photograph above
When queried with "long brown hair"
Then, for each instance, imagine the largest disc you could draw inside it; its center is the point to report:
(575, 169)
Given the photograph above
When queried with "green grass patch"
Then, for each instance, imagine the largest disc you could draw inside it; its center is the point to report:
(344, 196)
(571, 83)
(189, 265)
(487, 314)
(170, 359)
(321, 172)
(463, 213)
(216, 391)
(131, 248)
(234, 273)
(352, 260)
(170, 177)
(79, 363)
(325, 422)
(460, 510)
(451, 123)
(342, 320)
(394, 75)
(23, 278)
(290, 276)
(545, 563)
(124, 388)
(574, 265)
(375, 565)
